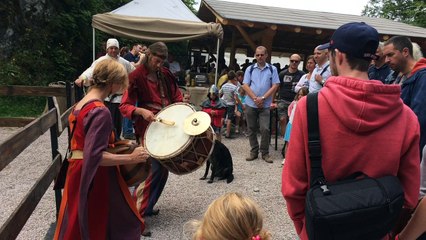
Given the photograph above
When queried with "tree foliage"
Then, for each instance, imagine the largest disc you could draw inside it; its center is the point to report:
(50, 40)
(190, 4)
(408, 11)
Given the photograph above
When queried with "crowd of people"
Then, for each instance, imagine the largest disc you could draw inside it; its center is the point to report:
(357, 117)
(372, 119)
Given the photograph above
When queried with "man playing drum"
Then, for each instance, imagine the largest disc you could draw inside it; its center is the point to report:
(152, 87)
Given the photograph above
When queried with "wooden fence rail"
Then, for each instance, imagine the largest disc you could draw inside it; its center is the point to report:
(33, 91)
(63, 95)
(15, 144)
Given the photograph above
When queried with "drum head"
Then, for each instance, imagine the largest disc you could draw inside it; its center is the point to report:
(164, 141)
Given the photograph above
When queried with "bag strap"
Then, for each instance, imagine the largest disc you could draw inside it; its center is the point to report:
(314, 144)
(62, 174)
(72, 134)
(325, 69)
(270, 69)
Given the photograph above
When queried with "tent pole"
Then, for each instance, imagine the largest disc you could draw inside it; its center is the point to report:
(93, 42)
(217, 62)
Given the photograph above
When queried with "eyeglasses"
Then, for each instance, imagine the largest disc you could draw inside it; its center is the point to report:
(294, 61)
(260, 55)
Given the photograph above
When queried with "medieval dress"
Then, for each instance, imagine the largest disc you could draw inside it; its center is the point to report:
(96, 202)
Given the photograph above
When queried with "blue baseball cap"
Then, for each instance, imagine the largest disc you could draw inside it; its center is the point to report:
(356, 39)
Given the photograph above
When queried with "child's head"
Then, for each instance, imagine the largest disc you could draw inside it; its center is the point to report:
(302, 92)
(186, 97)
(213, 92)
(232, 217)
(231, 75)
(240, 76)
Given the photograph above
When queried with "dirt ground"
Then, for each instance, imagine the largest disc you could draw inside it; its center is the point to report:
(184, 198)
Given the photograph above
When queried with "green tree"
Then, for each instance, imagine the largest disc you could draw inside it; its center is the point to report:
(48, 40)
(51, 40)
(408, 11)
(190, 4)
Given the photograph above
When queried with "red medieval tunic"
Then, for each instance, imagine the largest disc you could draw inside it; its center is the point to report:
(96, 202)
(154, 96)
(149, 95)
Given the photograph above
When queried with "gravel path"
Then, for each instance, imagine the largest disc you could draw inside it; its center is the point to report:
(184, 197)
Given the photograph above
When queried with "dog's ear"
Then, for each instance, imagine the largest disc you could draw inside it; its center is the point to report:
(230, 178)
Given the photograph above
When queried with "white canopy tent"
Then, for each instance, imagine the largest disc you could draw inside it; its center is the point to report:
(154, 20)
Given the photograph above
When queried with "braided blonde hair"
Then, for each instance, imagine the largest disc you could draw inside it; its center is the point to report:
(232, 217)
(109, 71)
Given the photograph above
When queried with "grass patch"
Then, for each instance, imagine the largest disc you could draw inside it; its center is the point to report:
(21, 106)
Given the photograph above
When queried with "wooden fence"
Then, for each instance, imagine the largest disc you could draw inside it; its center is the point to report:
(14, 145)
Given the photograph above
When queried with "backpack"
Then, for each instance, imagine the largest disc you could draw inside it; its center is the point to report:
(352, 208)
(268, 66)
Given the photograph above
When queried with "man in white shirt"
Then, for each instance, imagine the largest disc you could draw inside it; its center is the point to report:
(112, 101)
(321, 72)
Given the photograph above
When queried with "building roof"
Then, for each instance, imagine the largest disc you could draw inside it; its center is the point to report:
(284, 31)
(306, 18)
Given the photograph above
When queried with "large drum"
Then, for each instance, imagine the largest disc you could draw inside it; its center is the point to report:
(177, 151)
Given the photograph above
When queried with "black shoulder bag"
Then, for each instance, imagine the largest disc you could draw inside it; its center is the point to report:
(358, 207)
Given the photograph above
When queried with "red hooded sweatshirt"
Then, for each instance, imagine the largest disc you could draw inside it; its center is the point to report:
(364, 126)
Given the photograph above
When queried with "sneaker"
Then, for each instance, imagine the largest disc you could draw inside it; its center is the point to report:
(251, 158)
(266, 158)
(282, 164)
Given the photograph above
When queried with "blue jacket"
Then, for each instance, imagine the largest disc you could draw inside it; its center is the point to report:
(413, 93)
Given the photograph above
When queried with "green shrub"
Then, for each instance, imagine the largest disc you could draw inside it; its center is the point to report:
(20, 106)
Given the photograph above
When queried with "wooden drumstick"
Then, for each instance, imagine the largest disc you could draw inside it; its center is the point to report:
(164, 121)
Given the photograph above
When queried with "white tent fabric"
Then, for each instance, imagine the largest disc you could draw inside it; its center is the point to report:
(168, 9)
(155, 20)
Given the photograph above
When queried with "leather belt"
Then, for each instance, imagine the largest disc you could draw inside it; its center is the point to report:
(152, 106)
(76, 154)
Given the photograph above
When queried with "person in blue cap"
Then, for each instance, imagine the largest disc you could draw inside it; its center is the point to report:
(363, 125)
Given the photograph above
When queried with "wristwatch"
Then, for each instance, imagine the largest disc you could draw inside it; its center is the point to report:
(322, 82)
(263, 97)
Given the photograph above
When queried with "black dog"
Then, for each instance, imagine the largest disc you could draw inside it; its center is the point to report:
(221, 162)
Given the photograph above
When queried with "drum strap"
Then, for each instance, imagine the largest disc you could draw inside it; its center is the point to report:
(163, 83)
